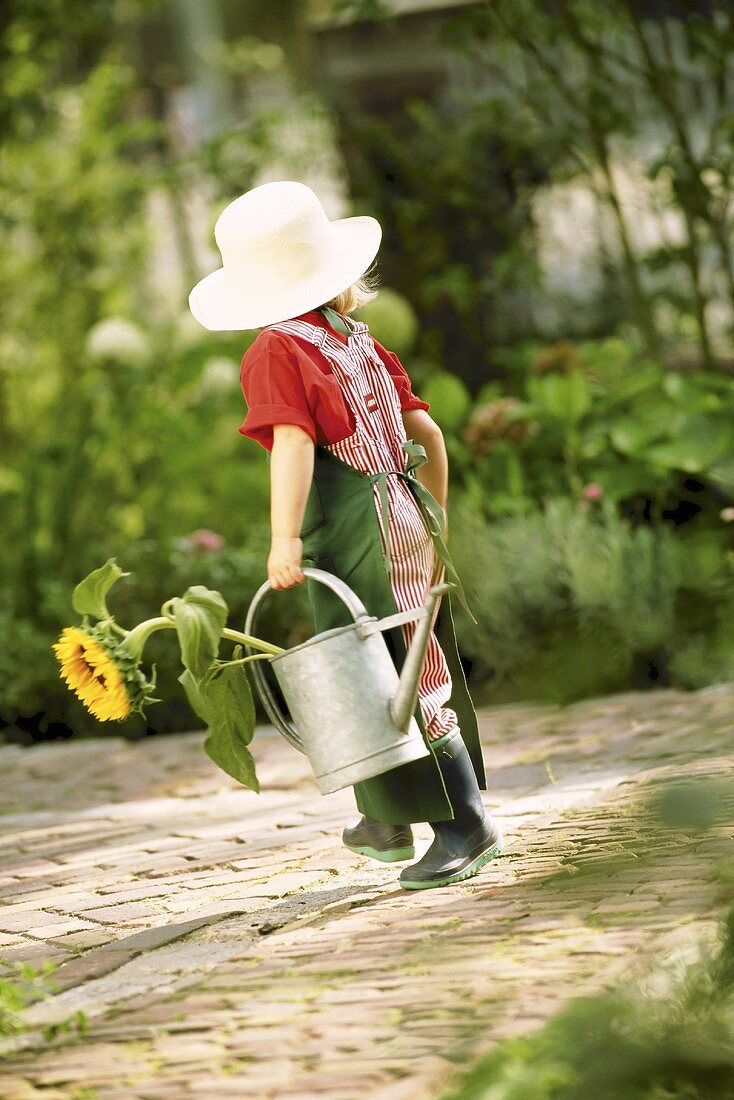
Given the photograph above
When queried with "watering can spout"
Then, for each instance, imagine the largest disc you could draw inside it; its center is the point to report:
(406, 696)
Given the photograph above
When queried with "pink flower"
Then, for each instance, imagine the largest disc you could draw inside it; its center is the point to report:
(593, 491)
(205, 540)
(727, 514)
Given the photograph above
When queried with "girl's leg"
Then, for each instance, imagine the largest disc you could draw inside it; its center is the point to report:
(465, 843)
(413, 574)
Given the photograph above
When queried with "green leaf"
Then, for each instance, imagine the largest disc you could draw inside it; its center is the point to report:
(626, 479)
(392, 319)
(688, 394)
(88, 598)
(644, 381)
(196, 700)
(228, 700)
(722, 473)
(200, 616)
(223, 700)
(490, 391)
(449, 399)
(705, 557)
(579, 396)
(631, 436)
(562, 396)
(698, 444)
(10, 480)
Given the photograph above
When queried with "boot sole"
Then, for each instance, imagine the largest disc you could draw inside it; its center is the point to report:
(390, 855)
(458, 876)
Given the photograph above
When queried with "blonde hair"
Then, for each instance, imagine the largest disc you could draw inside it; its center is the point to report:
(358, 294)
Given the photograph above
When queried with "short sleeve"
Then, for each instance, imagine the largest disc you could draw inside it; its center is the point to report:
(408, 399)
(272, 385)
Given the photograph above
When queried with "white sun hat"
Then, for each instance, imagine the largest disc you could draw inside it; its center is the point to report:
(281, 256)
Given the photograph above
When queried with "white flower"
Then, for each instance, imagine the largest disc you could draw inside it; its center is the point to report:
(219, 375)
(118, 339)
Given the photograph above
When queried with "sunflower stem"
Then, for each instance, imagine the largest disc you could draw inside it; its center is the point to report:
(256, 643)
(136, 638)
(252, 657)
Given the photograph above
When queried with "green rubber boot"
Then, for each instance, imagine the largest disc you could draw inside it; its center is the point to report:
(463, 845)
(388, 843)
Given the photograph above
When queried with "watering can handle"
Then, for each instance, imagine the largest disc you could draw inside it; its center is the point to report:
(355, 606)
(353, 602)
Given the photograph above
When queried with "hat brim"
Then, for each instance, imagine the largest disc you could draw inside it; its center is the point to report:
(220, 303)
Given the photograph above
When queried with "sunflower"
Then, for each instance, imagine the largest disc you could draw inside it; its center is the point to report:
(99, 671)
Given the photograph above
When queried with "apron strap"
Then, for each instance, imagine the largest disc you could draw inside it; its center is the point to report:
(381, 479)
(416, 453)
(433, 515)
(335, 320)
(416, 457)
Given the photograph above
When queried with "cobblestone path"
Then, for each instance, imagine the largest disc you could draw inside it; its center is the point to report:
(224, 944)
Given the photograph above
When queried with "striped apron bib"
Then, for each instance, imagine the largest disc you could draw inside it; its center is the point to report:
(375, 446)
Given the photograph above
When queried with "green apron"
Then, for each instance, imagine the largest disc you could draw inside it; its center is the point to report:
(341, 534)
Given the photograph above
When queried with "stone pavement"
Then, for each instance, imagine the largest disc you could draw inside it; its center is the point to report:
(223, 944)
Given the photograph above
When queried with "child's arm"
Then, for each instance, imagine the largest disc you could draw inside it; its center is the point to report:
(291, 473)
(434, 474)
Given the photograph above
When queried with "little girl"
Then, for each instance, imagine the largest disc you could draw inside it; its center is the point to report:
(345, 435)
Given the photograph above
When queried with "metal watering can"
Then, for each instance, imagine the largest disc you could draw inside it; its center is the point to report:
(352, 714)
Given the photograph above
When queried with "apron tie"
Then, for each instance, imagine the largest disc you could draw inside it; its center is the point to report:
(416, 453)
(416, 457)
(335, 320)
(380, 479)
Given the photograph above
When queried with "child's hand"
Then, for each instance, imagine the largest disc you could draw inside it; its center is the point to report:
(284, 562)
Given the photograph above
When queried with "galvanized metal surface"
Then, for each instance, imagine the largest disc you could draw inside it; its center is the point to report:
(343, 691)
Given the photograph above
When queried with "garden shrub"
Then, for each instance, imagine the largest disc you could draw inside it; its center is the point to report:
(573, 600)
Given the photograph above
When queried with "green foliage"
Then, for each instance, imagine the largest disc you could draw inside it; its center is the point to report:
(200, 615)
(554, 96)
(456, 241)
(29, 671)
(573, 601)
(77, 1024)
(691, 805)
(562, 397)
(391, 319)
(449, 400)
(73, 181)
(88, 597)
(598, 414)
(26, 984)
(223, 699)
(672, 1039)
(118, 416)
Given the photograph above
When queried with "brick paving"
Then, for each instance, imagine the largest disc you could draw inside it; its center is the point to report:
(224, 944)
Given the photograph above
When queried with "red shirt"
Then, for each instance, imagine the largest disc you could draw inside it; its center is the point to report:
(288, 380)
